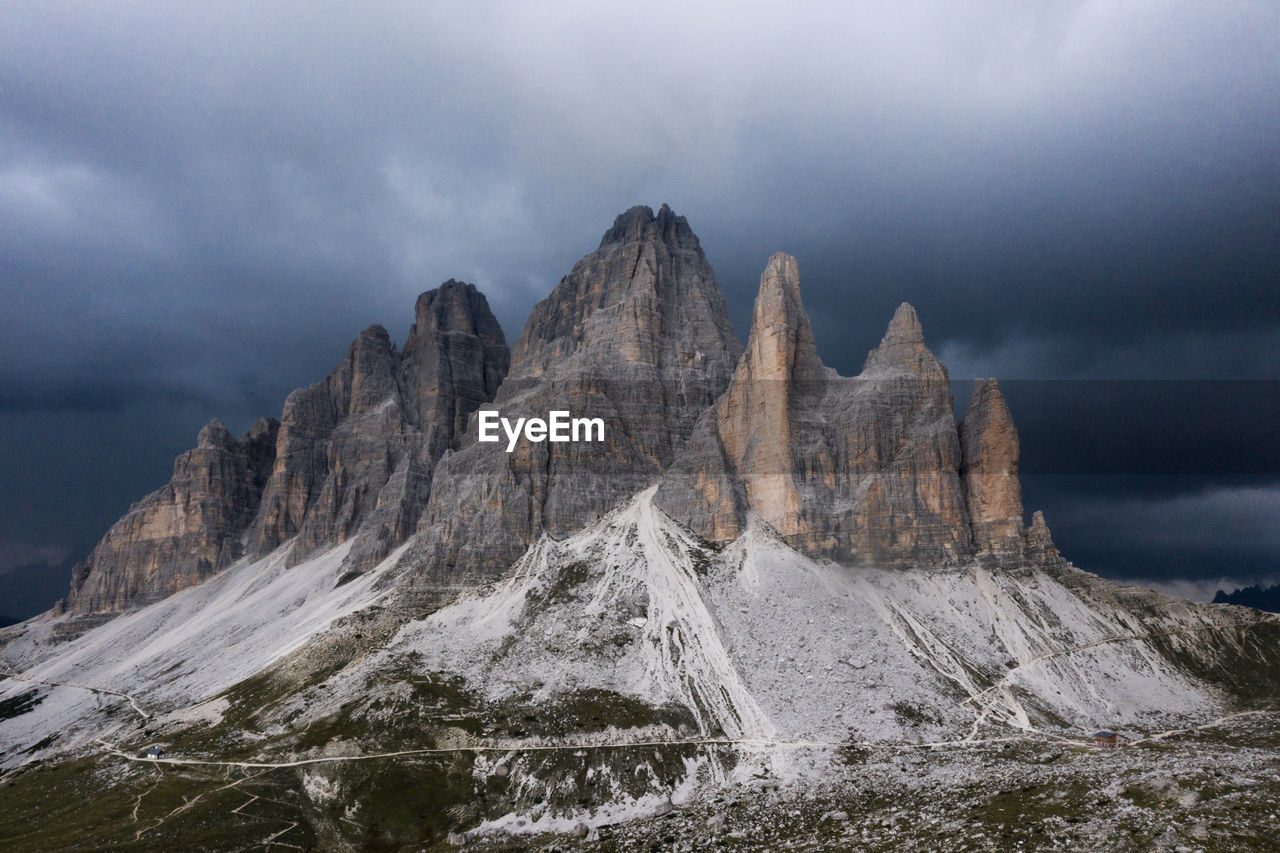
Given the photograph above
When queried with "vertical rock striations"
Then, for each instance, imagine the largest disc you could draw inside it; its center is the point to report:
(864, 470)
(358, 451)
(857, 470)
(179, 535)
(351, 458)
(638, 335)
(989, 443)
(454, 360)
(761, 418)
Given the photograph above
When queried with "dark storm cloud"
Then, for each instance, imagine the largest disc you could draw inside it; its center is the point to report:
(200, 205)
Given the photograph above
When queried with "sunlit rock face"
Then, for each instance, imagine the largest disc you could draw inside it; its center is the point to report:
(990, 446)
(862, 469)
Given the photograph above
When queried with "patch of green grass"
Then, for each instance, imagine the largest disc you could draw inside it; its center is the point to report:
(584, 711)
(568, 579)
(1244, 661)
(407, 804)
(98, 803)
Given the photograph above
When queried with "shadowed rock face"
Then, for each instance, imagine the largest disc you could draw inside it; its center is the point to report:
(351, 457)
(358, 451)
(454, 360)
(638, 335)
(181, 534)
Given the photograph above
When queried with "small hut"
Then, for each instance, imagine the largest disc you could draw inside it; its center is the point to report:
(1106, 738)
(155, 752)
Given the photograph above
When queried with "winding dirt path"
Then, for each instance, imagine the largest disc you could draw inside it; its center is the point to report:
(105, 691)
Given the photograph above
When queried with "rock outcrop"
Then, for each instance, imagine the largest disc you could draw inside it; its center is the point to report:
(351, 457)
(989, 443)
(358, 451)
(1040, 550)
(860, 470)
(638, 335)
(186, 531)
(869, 469)
(455, 358)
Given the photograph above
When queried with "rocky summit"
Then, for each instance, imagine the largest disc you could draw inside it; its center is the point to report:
(352, 457)
(766, 607)
(638, 335)
(181, 534)
(869, 469)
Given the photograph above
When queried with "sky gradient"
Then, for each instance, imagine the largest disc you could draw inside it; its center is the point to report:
(201, 207)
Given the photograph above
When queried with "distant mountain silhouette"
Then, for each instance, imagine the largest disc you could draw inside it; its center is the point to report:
(1252, 596)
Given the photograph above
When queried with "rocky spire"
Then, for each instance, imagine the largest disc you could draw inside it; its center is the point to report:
(989, 445)
(357, 451)
(776, 377)
(1040, 547)
(862, 470)
(645, 302)
(455, 346)
(351, 457)
(638, 335)
(902, 349)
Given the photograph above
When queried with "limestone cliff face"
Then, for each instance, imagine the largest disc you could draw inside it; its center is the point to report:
(863, 469)
(869, 469)
(184, 532)
(358, 451)
(994, 496)
(638, 335)
(750, 452)
(761, 417)
(351, 457)
(455, 358)
(1040, 549)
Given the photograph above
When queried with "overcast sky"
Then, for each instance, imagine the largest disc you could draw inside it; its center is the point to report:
(202, 204)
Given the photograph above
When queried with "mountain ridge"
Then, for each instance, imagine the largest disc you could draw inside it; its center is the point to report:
(866, 470)
(394, 635)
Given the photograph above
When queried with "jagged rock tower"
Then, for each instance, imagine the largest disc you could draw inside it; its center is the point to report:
(870, 469)
(864, 470)
(638, 335)
(352, 457)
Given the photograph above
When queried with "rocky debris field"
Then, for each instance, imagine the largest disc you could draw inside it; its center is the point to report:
(1216, 789)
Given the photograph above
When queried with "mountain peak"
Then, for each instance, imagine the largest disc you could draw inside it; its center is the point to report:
(638, 335)
(640, 223)
(214, 434)
(905, 326)
(757, 414)
(646, 298)
(782, 272)
(781, 344)
(902, 348)
(376, 332)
